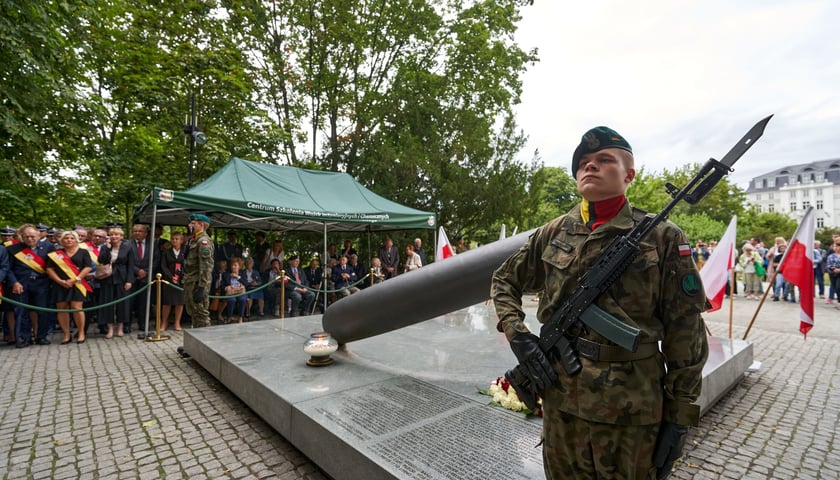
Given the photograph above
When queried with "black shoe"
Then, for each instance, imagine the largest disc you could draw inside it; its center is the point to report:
(183, 353)
(21, 343)
(42, 341)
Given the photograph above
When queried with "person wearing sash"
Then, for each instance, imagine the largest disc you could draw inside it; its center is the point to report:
(119, 254)
(30, 286)
(7, 310)
(68, 268)
(172, 270)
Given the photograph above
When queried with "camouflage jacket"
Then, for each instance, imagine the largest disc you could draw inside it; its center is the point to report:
(198, 265)
(660, 293)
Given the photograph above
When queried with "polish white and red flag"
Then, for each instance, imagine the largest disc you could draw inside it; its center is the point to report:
(444, 248)
(715, 271)
(797, 266)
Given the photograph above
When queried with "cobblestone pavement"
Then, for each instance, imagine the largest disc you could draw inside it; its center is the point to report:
(781, 421)
(128, 409)
(123, 408)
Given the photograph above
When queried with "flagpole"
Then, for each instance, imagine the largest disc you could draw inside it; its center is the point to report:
(755, 315)
(731, 300)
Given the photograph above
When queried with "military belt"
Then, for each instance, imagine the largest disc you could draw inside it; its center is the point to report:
(598, 352)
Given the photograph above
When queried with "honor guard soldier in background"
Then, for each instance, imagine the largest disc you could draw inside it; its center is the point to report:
(198, 271)
(625, 414)
(8, 236)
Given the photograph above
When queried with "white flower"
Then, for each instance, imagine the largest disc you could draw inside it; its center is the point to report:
(499, 396)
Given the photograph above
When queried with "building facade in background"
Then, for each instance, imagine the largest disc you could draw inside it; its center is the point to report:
(791, 190)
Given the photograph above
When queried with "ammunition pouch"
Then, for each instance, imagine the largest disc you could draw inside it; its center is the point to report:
(598, 352)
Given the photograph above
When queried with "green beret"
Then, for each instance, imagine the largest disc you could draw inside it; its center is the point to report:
(200, 217)
(597, 139)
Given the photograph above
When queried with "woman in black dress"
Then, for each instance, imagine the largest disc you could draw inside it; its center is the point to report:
(118, 285)
(172, 270)
(68, 267)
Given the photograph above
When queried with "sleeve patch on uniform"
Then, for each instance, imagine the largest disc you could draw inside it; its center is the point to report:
(684, 249)
(690, 284)
(204, 242)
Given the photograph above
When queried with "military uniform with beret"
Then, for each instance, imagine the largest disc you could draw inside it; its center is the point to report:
(604, 421)
(198, 273)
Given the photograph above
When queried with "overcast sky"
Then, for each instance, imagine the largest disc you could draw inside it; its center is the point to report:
(684, 81)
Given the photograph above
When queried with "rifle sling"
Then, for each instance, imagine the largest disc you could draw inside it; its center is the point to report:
(598, 352)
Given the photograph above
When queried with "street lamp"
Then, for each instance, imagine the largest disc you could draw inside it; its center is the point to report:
(196, 136)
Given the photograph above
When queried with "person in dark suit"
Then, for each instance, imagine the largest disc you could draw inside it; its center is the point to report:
(141, 249)
(344, 277)
(389, 255)
(120, 255)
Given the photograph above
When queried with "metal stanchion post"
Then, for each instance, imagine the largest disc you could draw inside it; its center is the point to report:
(282, 294)
(157, 337)
(372, 278)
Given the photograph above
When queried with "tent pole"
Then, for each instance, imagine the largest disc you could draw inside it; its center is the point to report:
(324, 266)
(149, 277)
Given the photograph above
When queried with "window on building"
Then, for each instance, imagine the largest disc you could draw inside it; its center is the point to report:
(771, 183)
(820, 222)
(811, 177)
(757, 197)
(806, 193)
(818, 177)
(764, 183)
(792, 206)
(770, 196)
(793, 194)
(819, 205)
(819, 192)
(805, 205)
(771, 208)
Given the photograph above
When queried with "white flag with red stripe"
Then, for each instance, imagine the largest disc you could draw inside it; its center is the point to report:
(797, 266)
(715, 271)
(444, 249)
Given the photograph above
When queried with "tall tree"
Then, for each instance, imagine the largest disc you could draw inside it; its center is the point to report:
(43, 117)
(412, 97)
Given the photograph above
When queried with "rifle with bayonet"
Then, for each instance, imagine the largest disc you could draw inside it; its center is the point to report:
(608, 267)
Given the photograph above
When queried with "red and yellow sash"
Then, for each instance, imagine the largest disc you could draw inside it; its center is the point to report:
(32, 260)
(11, 242)
(93, 250)
(65, 263)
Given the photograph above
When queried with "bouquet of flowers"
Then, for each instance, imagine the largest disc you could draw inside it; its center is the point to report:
(505, 395)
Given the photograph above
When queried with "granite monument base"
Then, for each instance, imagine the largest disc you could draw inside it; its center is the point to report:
(402, 405)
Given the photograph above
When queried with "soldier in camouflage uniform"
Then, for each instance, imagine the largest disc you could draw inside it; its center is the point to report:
(198, 271)
(626, 414)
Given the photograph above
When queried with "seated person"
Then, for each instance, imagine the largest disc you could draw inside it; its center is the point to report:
(272, 292)
(251, 279)
(344, 278)
(300, 297)
(234, 286)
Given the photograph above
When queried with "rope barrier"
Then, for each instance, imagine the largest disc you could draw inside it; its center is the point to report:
(176, 287)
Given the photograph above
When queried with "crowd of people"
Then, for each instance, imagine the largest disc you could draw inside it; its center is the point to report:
(98, 276)
(757, 263)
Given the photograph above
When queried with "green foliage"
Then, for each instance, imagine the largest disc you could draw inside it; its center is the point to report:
(765, 226)
(699, 226)
(556, 193)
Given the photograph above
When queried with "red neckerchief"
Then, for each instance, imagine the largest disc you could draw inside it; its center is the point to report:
(604, 211)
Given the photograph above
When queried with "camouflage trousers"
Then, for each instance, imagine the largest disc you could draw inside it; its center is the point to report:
(574, 448)
(199, 311)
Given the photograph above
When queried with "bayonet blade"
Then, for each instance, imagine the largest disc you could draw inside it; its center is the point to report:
(745, 143)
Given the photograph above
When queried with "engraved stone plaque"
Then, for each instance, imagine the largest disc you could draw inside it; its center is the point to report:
(419, 431)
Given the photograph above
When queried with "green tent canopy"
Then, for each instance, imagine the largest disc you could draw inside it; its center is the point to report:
(252, 195)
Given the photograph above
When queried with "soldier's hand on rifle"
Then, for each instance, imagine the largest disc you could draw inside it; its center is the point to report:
(526, 347)
(198, 295)
(669, 446)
